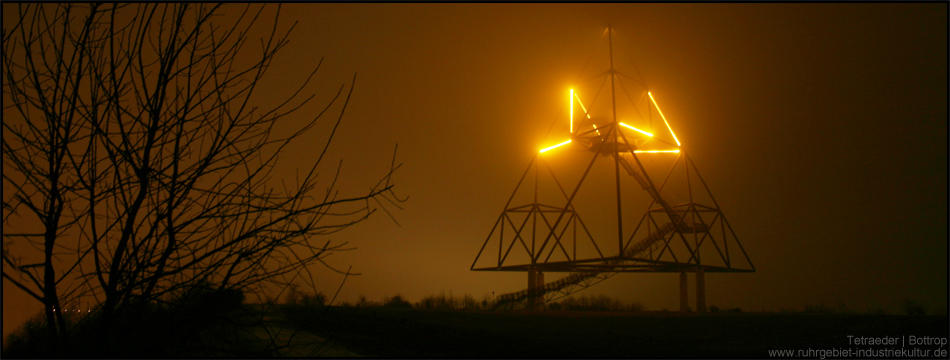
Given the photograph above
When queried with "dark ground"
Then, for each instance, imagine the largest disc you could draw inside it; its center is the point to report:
(392, 332)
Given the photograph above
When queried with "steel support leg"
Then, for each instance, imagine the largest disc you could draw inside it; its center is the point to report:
(684, 297)
(532, 289)
(539, 286)
(700, 290)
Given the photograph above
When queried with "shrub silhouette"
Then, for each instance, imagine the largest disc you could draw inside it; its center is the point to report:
(594, 303)
(396, 302)
(199, 322)
(912, 308)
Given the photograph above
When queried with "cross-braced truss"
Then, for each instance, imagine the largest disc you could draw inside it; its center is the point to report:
(549, 235)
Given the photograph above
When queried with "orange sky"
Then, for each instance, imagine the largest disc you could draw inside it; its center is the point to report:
(820, 129)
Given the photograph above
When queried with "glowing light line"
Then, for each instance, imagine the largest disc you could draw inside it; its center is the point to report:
(555, 146)
(637, 130)
(571, 99)
(582, 105)
(656, 151)
(664, 119)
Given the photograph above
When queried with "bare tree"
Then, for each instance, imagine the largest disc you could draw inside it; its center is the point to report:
(38, 158)
(139, 145)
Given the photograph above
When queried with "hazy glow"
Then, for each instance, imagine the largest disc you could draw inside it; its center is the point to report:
(571, 99)
(656, 151)
(595, 128)
(664, 119)
(637, 130)
(555, 146)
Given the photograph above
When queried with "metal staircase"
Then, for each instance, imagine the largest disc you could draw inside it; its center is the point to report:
(580, 280)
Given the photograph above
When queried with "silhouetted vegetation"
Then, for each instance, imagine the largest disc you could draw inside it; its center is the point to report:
(445, 325)
(839, 308)
(198, 322)
(449, 302)
(432, 333)
(716, 309)
(396, 302)
(300, 301)
(594, 303)
(31, 339)
(301, 304)
(295, 297)
(912, 308)
(137, 138)
(878, 311)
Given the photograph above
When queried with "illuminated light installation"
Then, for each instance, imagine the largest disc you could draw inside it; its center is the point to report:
(664, 119)
(656, 151)
(579, 102)
(546, 233)
(624, 125)
(635, 129)
(555, 146)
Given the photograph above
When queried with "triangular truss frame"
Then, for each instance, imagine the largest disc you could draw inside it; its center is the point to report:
(534, 237)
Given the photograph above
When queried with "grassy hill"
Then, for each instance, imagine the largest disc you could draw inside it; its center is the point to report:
(400, 332)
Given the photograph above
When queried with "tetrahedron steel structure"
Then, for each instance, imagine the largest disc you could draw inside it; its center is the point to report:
(614, 192)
